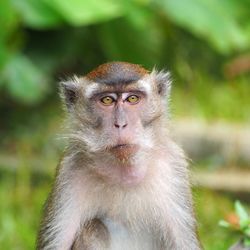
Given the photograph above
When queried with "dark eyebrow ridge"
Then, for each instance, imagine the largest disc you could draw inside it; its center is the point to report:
(100, 93)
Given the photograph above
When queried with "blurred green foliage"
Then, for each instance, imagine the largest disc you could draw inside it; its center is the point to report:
(20, 209)
(43, 39)
(240, 222)
(210, 207)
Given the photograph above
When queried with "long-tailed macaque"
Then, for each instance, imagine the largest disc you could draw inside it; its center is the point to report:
(123, 183)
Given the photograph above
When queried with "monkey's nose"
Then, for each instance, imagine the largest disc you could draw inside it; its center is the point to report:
(121, 126)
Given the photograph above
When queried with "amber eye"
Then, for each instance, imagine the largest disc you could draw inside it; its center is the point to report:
(133, 99)
(107, 100)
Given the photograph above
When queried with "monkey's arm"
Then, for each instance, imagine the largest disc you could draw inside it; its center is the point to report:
(177, 227)
(62, 215)
(92, 236)
(177, 218)
(183, 235)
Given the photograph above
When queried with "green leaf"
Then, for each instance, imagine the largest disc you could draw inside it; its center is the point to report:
(4, 54)
(247, 231)
(25, 81)
(246, 242)
(242, 213)
(224, 223)
(37, 14)
(78, 12)
(244, 224)
(8, 25)
(141, 40)
(216, 21)
(8, 19)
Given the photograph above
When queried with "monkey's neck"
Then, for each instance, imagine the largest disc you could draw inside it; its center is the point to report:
(125, 172)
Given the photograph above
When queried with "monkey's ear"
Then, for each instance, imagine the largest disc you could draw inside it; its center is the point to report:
(163, 82)
(69, 91)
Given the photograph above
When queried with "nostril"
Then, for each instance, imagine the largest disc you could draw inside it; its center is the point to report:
(120, 126)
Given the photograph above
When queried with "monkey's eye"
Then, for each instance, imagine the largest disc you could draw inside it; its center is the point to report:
(133, 99)
(107, 100)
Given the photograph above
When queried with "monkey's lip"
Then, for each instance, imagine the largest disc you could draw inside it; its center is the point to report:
(124, 151)
(124, 146)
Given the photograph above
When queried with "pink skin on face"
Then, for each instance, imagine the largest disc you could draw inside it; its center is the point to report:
(123, 111)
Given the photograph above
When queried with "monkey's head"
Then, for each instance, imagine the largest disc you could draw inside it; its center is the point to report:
(115, 110)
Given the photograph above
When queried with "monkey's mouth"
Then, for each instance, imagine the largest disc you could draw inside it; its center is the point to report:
(124, 151)
(123, 145)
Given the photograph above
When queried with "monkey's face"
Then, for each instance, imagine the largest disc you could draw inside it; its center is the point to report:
(119, 114)
(115, 111)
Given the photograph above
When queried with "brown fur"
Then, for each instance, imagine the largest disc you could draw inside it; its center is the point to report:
(117, 72)
(93, 235)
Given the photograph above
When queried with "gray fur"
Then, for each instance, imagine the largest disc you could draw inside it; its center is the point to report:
(156, 214)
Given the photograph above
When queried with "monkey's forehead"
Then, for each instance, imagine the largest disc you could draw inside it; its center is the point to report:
(117, 73)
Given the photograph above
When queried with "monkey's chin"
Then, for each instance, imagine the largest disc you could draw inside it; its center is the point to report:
(123, 168)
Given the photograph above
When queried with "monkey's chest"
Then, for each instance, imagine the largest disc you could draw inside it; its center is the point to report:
(123, 238)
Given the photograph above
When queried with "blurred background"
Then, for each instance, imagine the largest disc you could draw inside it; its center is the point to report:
(204, 43)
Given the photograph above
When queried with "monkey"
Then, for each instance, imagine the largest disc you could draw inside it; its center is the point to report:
(123, 183)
